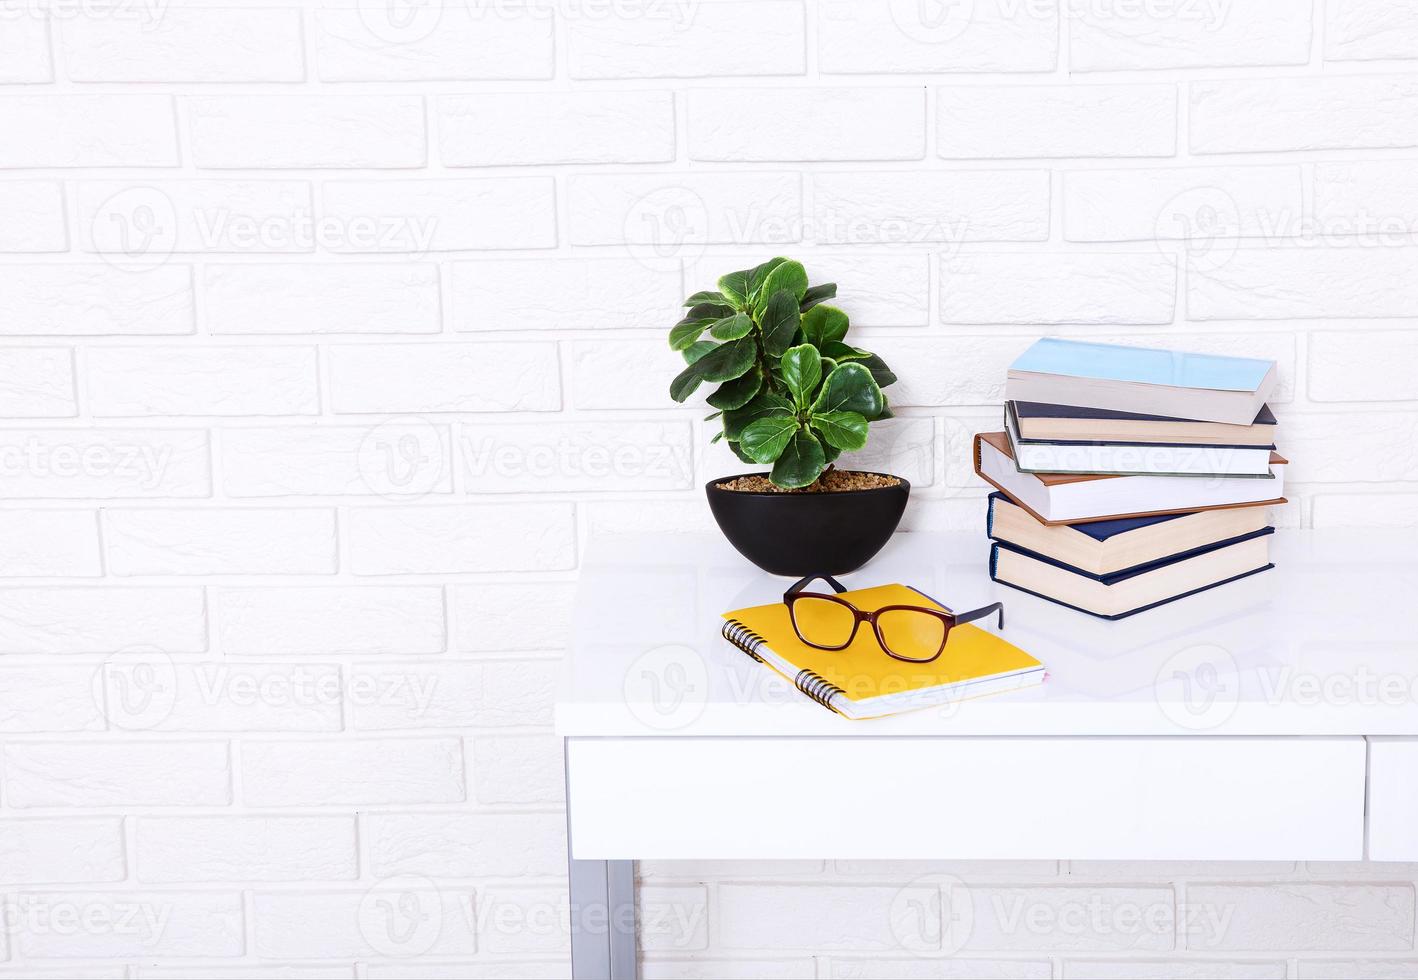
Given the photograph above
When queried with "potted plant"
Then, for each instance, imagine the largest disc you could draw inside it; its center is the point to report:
(793, 395)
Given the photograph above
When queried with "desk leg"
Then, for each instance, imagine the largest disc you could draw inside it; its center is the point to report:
(603, 920)
(602, 914)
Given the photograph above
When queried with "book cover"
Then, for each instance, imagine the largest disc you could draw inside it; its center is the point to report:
(1122, 575)
(1043, 410)
(1142, 365)
(1108, 547)
(1014, 416)
(1097, 530)
(1046, 482)
(1134, 458)
(1000, 548)
(1050, 421)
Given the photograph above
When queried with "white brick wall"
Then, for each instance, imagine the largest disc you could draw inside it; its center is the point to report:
(330, 331)
(300, 131)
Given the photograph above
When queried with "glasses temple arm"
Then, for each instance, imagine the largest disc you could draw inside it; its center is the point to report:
(981, 613)
(802, 583)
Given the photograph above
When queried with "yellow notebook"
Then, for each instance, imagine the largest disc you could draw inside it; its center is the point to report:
(862, 681)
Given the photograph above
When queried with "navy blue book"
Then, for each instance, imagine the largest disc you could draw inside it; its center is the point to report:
(1121, 570)
(1073, 424)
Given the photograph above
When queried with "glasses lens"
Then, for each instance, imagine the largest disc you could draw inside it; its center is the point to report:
(824, 622)
(911, 634)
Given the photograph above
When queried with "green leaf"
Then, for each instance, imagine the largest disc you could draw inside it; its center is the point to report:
(740, 453)
(759, 273)
(780, 322)
(787, 275)
(712, 362)
(822, 324)
(828, 366)
(801, 462)
(765, 440)
(886, 412)
(735, 288)
(707, 311)
(850, 388)
(880, 373)
(728, 361)
(712, 416)
(832, 453)
(801, 371)
(738, 392)
(707, 296)
(844, 352)
(717, 437)
(844, 430)
(732, 327)
(816, 294)
(695, 351)
(685, 383)
(686, 332)
(763, 405)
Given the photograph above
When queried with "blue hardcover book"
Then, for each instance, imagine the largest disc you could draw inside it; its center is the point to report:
(1144, 380)
(1131, 588)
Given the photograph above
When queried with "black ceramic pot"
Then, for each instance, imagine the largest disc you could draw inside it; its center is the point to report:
(808, 533)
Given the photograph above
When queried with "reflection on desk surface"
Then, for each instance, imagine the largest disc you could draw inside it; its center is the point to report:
(1336, 611)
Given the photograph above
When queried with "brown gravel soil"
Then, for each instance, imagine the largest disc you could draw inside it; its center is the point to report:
(833, 481)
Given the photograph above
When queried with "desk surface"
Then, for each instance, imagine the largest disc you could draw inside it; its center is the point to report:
(1324, 644)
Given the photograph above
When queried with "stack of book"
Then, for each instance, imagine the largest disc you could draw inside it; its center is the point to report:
(1128, 477)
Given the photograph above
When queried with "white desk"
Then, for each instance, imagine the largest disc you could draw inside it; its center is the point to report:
(1251, 722)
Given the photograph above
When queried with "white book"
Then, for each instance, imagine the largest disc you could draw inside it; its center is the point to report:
(1127, 458)
(1063, 499)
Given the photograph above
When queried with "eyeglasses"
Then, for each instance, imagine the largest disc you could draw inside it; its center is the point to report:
(915, 634)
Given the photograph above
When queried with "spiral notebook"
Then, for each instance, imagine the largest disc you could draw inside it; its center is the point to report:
(862, 681)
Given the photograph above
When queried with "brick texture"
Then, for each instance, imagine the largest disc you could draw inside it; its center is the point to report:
(329, 333)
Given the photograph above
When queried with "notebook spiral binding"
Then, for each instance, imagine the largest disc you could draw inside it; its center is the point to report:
(744, 638)
(813, 685)
(817, 687)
